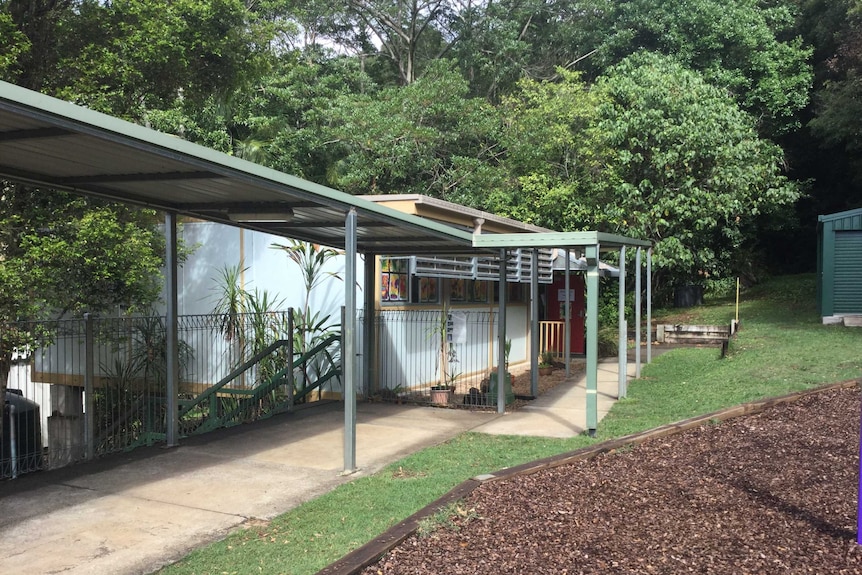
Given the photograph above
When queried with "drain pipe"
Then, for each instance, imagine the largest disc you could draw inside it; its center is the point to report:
(13, 440)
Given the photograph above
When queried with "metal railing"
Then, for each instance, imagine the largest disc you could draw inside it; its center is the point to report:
(223, 406)
(92, 386)
(419, 358)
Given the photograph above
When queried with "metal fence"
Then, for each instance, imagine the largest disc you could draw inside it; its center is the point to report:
(98, 385)
(436, 356)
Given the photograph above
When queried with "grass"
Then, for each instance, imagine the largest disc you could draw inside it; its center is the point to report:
(782, 347)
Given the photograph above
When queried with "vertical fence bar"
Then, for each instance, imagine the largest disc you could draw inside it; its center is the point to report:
(371, 384)
(592, 255)
(89, 399)
(649, 305)
(291, 382)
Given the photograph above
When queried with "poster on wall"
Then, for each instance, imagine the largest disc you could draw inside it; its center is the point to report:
(393, 280)
(456, 327)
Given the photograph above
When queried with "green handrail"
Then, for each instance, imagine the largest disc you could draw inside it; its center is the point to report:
(255, 359)
(213, 421)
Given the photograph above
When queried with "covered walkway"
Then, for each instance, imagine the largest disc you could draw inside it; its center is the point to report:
(137, 512)
(49, 143)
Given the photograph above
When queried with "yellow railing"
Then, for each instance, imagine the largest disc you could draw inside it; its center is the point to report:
(551, 335)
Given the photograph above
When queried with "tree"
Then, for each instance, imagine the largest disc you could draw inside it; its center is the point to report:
(29, 38)
(13, 45)
(129, 56)
(61, 254)
(504, 41)
(547, 158)
(743, 46)
(680, 164)
(839, 98)
(426, 138)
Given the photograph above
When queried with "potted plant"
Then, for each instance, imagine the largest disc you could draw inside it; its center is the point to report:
(546, 363)
(441, 393)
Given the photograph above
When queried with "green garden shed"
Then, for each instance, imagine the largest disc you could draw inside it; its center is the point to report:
(839, 265)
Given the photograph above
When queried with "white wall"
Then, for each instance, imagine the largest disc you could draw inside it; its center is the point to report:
(218, 245)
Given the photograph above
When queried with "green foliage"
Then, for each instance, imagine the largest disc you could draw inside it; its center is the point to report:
(504, 42)
(311, 328)
(13, 45)
(427, 138)
(64, 254)
(546, 154)
(680, 165)
(741, 46)
(129, 56)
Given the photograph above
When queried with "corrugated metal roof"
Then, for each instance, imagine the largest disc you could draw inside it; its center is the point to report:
(55, 144)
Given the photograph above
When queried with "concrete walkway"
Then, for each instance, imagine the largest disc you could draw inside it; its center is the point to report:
(561, 412)
(136, 512)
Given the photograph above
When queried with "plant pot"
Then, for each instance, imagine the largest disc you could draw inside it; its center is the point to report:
(441, 396)
(507, 388)
(547, 370)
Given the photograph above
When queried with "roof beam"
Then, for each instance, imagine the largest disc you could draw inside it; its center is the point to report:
(141, 177)
(555, 240)
(33, 134)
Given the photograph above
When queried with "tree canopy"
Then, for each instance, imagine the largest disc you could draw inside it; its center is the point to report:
(695, 124)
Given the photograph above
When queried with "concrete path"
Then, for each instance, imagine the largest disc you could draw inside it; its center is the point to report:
(136, 512)
(562, 412)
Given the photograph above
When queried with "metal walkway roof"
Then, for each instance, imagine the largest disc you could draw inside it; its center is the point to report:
(54, 144)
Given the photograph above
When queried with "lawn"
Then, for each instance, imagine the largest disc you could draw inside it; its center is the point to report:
(782, 347)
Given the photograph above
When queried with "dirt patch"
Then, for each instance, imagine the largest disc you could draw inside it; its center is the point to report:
(769, 493)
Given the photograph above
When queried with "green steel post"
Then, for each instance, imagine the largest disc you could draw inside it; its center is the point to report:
(534, 325)
(567, 317)
(638, 313)
(501, 337)
(592, 254)
(348, 356)
(622, 352)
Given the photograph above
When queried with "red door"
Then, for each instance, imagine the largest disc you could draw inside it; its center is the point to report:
(556, 310)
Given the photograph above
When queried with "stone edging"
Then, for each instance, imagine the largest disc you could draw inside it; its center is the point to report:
(358, 559)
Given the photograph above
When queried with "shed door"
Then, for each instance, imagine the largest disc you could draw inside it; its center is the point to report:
(848, 272)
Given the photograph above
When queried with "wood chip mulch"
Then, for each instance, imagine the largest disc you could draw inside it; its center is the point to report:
(774, 492)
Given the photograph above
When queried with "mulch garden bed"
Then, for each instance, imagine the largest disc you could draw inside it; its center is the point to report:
(773, 492)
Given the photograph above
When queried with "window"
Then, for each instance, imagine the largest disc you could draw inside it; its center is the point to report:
(515, 292)
(394, 285)
(468, 291)
(425, 290)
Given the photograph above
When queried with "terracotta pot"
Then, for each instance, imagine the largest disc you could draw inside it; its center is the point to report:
(441, 396)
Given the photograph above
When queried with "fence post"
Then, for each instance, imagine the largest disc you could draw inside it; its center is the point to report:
(89, 400)
(290, 378)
